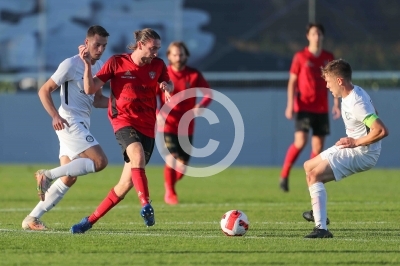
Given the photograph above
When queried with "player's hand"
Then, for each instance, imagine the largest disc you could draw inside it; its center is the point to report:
(167, 96)
(59, 123)
(336, 113)
(84, 54)
(166, 87)
(289, 113)
(198, 110)
(346, 143)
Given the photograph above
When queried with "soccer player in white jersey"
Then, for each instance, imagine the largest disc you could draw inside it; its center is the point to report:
(357, 152)
(80, 153)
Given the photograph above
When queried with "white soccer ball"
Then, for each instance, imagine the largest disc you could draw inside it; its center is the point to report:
(234, 223)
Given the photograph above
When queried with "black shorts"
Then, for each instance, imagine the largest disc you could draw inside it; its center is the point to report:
(319, 123)
(173, 146)
(128, 135)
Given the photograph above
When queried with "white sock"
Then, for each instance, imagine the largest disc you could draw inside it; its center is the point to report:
(318, 202)
(53, 195)
(77, 167)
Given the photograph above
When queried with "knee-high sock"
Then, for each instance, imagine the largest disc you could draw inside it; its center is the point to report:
(169, 179)
(179, 175)
(291, 156)
(77, 167)
(107, 204)
(53, 195)
(318, 202)
(139, 180)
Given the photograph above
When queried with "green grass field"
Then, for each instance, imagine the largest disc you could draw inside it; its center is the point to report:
(364, 211)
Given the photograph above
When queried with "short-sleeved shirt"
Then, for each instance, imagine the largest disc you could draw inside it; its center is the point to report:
(76, 106)
(311, 91)
(133, 92)
(183, 80)
(355, 108)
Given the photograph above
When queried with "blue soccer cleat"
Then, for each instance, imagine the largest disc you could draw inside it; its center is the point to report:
(147, 214)
(81, 227)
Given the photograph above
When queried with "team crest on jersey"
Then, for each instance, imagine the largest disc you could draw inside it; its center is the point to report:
(347, 115)
(152, 74)
(89, 138)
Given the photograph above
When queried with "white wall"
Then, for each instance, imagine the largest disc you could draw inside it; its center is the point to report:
(26, 134)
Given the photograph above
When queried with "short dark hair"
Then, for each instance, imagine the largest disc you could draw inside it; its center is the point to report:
(143, 36)
(181, 45)
(338, 68)
(96, 29)
(317, 25)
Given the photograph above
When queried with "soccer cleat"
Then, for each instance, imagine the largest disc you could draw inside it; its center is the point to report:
(171, 199)
(284, 184)
(43, 183)
(147, 214)
(319, 233)
(33, 223)
(309, 216)
(81, 227)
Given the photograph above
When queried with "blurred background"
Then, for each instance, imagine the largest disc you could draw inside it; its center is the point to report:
(243, 48)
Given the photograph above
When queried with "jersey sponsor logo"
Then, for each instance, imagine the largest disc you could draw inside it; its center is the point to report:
(89, 138)
(128, 75)
(152, 74)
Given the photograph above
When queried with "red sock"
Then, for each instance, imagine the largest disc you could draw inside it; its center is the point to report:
(179, 175)
(291, 156)
(312, 155)
(169, 179)
(139, 180)
(107, 204)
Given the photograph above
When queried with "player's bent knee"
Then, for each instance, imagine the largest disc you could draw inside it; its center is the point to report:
(100, 163)
(307, 166)
(69, 181)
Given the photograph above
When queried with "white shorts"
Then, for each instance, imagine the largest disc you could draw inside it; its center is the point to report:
(346, 162)
(74, 140)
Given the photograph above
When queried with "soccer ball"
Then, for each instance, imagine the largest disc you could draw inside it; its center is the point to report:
(234, 223)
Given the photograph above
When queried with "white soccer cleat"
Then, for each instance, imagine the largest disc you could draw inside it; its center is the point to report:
(43, 183)
(33, 223)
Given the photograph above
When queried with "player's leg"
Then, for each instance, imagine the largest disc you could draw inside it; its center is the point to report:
(77, 140)
(115, 196)
(316, 178)
(170, 152)
(320, 128)
(53, 195)
(176, 160)
(302, 127)
(137, 149)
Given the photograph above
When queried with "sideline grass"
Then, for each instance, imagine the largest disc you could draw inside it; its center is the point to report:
(364, 212)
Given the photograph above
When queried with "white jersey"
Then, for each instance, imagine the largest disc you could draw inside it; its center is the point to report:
(355, 108)
(76, 106)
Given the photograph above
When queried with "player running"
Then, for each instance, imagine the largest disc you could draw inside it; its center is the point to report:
(132, 113)
(80, 153)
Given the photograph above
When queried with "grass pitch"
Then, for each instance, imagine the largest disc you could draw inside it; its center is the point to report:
(364, 211)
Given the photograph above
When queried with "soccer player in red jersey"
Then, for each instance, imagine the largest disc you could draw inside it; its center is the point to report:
(307, 99)
(184, 78)
(134, 79)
